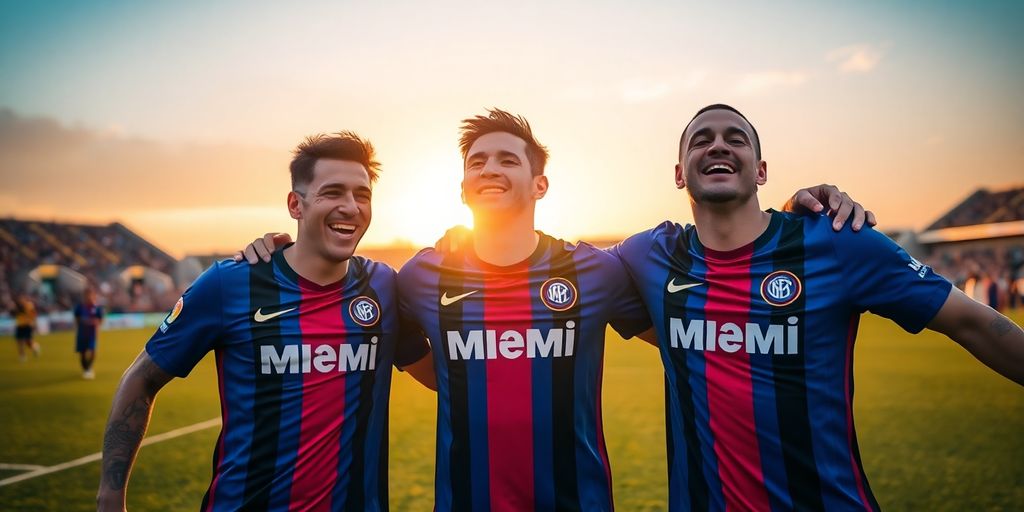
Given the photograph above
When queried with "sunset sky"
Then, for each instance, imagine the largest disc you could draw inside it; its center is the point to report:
(178, 118)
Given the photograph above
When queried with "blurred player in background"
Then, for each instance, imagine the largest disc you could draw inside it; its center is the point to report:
(757, 312)
(304, 346)
(24, 326)
(88, 318)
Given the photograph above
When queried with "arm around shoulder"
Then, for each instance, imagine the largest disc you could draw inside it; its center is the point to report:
(989, 336)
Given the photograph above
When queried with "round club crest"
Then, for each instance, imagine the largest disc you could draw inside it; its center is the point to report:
(364, 311)
(176, 311)
(558, 294)
(780, 288)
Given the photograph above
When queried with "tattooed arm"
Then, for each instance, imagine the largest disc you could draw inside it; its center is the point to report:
(129, 418)
(989, 336)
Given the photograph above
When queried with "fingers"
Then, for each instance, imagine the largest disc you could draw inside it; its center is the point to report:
(260, 245)
(238, 256)
(842, 213)
(250, 254)
(870, 217)
(804, 199)
(858, 216)
(280, 240)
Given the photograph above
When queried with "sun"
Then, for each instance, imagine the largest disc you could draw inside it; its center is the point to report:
(416, 202)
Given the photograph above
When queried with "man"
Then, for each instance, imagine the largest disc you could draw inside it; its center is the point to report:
(756, 314)
(88, 318)
(517, 320)
(304, 346)
(24, 326)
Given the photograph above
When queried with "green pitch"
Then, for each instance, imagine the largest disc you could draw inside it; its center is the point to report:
(937, 430)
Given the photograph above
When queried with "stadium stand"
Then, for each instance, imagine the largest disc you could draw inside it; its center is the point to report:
(979, 245)
(102, 254)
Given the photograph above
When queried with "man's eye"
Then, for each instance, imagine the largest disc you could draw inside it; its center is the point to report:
(699, 142)
(509, 161)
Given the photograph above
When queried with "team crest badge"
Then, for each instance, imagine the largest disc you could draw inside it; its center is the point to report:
(780, 288)
(364, 311)
(558, 294)
(176, 311)
(173, 315)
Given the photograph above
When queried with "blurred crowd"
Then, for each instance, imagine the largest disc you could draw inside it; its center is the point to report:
(99, 254)
(991, 276)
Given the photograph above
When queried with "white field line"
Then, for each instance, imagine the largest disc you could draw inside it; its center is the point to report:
(45, 470)
(20, 467)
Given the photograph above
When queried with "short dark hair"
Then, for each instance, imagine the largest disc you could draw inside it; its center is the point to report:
(498, 120)
(722, 106)
(344, 145)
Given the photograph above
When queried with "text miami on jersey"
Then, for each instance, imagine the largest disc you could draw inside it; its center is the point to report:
(778, 289)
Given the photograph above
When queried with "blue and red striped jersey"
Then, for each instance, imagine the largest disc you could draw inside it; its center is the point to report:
(304, 376)
(757, 345)
(518, 352)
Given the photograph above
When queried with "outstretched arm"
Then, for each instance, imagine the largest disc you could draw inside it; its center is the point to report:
(126, 426)
(989, 336)
(840, 206)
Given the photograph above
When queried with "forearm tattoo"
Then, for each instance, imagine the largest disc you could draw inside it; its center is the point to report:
(125, 431)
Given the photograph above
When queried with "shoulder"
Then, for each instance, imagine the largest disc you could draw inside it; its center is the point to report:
(640, 244)
(422, 264)
(374, 269)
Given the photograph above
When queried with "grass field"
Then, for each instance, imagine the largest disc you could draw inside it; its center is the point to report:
(937, 430)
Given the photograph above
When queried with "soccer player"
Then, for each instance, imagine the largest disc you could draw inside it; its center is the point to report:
(517, 319)
(304, 346)
(88, 318)
(756, 314)
(24, 326)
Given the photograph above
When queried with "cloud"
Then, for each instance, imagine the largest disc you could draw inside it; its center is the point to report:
(857, 58)
(755, 83)
(85, 172)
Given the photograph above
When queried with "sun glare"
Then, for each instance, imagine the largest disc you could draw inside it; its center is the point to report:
(418, 206)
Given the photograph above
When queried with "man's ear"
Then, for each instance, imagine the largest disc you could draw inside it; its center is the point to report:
(294, 205)
(680, 177)
(762, 172)
(540, 186)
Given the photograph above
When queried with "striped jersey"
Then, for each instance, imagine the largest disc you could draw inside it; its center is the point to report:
(757, 345)
(304, 375)
(518, 352)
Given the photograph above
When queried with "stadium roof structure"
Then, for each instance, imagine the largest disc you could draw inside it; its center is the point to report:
(984, 214)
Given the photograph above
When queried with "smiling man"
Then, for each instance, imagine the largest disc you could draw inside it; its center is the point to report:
(304, 346)
(756, 314)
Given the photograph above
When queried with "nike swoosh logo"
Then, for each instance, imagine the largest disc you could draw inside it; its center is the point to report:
(673, 287)
(448, 301)
(260, 317)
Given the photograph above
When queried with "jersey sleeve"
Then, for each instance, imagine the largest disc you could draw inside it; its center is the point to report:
(885, 280)
(192, 328)
(413, 344)
(629, 315)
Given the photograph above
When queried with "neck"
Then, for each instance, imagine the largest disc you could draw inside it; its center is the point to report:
(504, 240)
(313, 267)
(728, 226)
